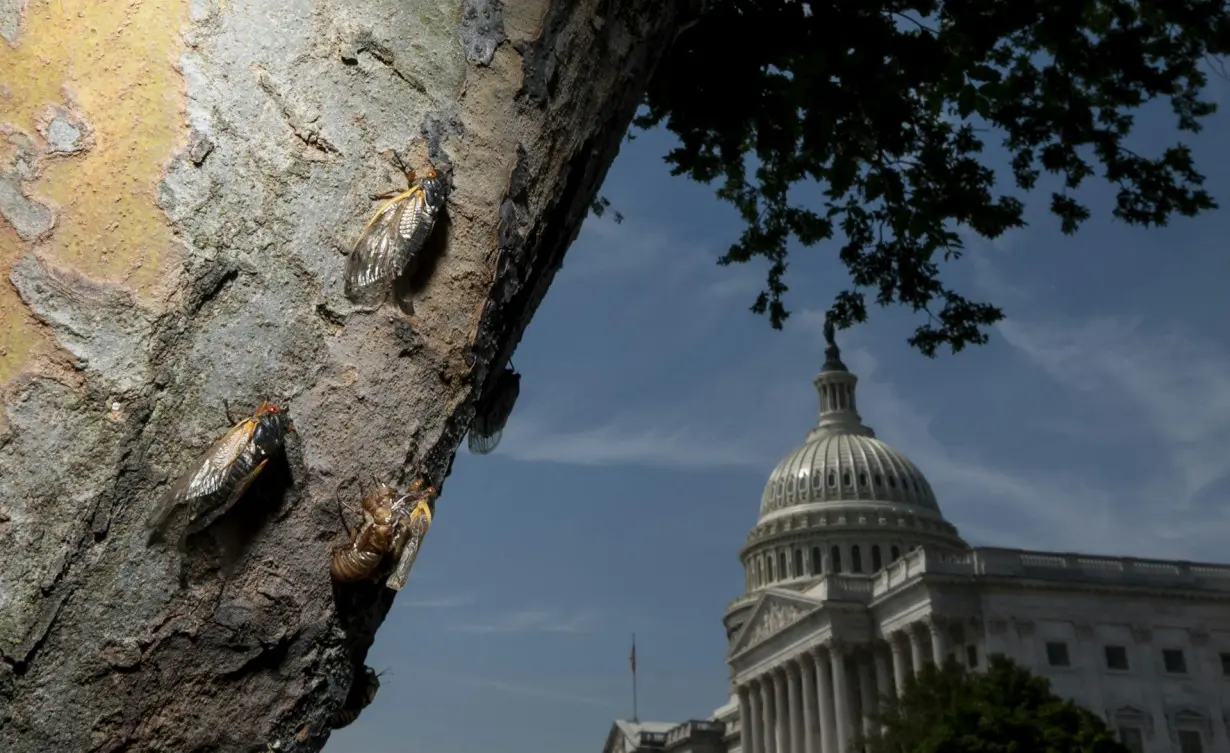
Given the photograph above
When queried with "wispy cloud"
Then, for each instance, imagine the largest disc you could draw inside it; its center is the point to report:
(1176, 386)
(532, 621)
(635, 247)
(442, 602)
(643, 440)
(535, 691)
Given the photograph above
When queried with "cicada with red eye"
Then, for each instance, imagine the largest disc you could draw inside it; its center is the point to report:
(392, 242)
(219, 477)
(491, 412)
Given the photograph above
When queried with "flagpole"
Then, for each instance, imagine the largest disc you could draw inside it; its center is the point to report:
(632, 658)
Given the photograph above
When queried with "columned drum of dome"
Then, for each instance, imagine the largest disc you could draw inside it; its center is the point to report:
(843, 502)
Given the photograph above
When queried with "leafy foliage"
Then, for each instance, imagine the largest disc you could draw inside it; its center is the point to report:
(1003, 709)
(885, 106)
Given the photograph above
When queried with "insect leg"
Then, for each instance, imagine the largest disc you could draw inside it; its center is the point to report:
(230, 419)
(401, 165)
(340, 511)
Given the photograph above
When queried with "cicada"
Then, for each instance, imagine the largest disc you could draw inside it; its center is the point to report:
(390, 524)
(218, 478)
(393, 239)
(411, 530)
(362, 693)
(492, 411)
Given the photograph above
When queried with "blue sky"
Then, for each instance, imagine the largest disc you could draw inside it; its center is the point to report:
(654, 406)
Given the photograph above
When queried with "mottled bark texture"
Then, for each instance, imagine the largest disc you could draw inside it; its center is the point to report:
(180, 181)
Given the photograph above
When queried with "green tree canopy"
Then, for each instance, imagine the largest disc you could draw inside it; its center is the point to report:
(1003, 709)
(886, 106)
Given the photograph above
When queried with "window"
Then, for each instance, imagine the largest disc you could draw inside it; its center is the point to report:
(1190, 742)
(879, 480)
(835, 554)
(1225, 665)
(817, 561)
(781, 566)
(862, 479)
(1174, 660)
(845, 479)
(798, 562)
(1132, 739)
(971, 656)
(876, 561)
(1057, 654)
(892, 481)
(1116, 658)
(816, 482)
(856, 560)
(895, 553)
(769, 570)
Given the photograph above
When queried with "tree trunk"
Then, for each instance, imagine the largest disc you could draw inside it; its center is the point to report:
(181, 180)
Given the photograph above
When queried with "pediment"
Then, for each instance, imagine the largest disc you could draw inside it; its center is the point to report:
(1135, 717)
(774, 612)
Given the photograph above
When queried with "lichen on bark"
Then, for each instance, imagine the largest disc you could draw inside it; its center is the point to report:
(217, 277)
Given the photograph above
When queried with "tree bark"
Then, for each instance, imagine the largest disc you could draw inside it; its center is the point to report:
(180, 182)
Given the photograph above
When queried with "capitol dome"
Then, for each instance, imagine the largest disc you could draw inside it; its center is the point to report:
(839, 467)
(843, 503)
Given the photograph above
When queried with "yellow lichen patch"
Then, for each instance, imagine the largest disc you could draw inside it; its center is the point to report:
(112, 64)
(21, 338)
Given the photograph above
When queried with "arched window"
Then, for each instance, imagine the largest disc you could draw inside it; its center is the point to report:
(895, 553)
(876, 562)
(862, 479)
(782, 573)
(845, 479)
(798, 563)
(817, 561)
(835, 554)
(832, 479)
(769, 571)
(856, 560)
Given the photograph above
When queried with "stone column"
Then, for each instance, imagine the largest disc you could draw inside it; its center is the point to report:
(824, 701)
(781, 719)
(767, 715)
(746, 720)
(884, 681)
(866, 693)
(939, 641)
(917, 654)
(841, 698)
(794, 695)
(807, 677)
(900, 668)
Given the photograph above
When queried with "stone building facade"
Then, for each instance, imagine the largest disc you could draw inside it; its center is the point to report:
(854, 580)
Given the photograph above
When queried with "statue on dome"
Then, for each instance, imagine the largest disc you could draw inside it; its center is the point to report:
(832, 354)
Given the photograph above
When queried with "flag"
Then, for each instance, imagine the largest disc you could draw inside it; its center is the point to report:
(632, 656)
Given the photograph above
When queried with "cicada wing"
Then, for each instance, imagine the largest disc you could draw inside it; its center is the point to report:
(492, 412)
(409, 543)
(206, 514)
(391, 239)
(204, 478)
(482, 444)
